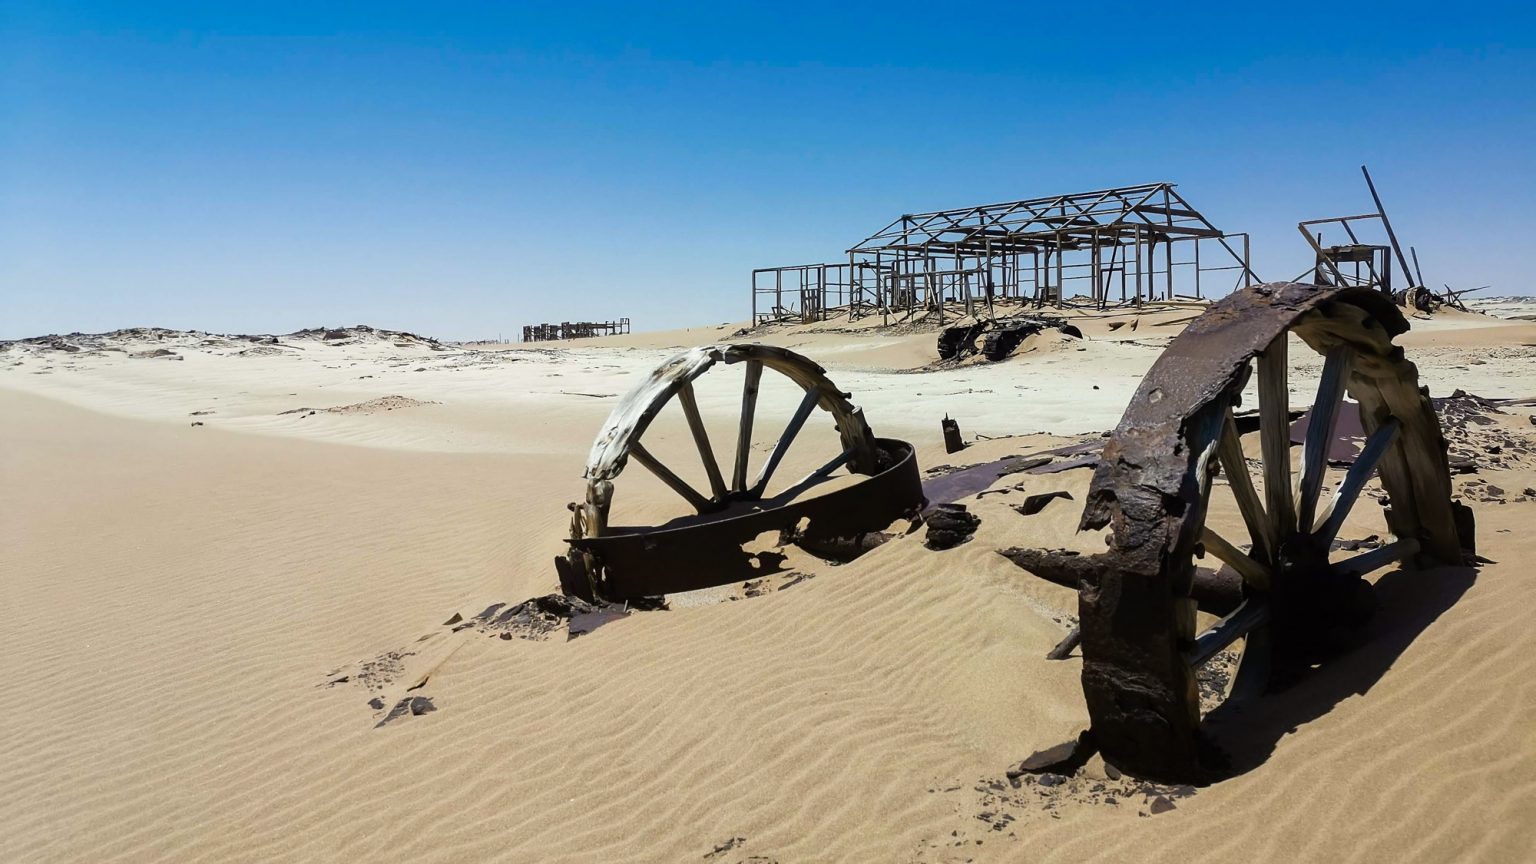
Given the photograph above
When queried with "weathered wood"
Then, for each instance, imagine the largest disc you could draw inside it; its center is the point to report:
(1229, 629)
(1320, 426)
(1254, 573)
(754, 374)
(1235, 466)
(807, 405)
(1064, 648)
(1216, 592)
(690, 405)
(1366, 562)
(1275, 436)
(1337, 510)
(665, 474)
(1253, 669)
(1137, 685)
(821, 473)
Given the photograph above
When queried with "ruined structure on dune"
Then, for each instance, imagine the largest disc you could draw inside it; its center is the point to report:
(1110, 246)
(574, 330)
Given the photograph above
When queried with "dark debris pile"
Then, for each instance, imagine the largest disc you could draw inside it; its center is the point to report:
(949, 525)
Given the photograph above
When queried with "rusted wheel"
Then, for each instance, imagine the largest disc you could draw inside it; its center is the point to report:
(677, 555)
(1154, 486)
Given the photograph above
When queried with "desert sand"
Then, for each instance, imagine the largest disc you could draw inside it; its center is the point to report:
(226, 559)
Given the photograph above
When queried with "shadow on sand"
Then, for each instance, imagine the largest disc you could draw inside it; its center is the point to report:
(1408, 602)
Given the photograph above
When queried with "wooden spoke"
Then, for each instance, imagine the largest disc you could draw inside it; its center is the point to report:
(754, 375)
(1253, 573)
(1248, 615)
(1325, 414)
(678, 484)
(836, 462)
(816, 476)
(1236, 468)
(1252, 676)
(1275, 437)
(1333, 516)
(701, 439)
(808, 404)
(1378, 558)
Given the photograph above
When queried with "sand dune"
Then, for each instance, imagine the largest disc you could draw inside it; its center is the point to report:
(181, 602)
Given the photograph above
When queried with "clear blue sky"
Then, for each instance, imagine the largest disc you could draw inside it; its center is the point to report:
(463, 169)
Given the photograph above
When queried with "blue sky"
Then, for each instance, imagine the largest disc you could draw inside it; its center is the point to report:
(463, 169)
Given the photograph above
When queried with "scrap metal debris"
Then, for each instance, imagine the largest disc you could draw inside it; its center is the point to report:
(952, 440)
(949, 525)
(1003, 335)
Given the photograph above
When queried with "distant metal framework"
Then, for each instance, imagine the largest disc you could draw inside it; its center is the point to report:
(1124, 245)
(1357, 263)
(574, 330)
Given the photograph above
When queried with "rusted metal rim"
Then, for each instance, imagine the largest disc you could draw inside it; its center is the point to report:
(1139, 644)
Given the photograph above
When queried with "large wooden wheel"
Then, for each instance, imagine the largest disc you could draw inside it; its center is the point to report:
(1154, 489)
(701, 547)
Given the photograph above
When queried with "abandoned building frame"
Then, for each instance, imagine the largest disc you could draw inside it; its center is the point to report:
(1111, 246)
(574, 330)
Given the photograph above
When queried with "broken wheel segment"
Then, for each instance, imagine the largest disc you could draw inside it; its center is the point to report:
(704, 548)
(1153, 488)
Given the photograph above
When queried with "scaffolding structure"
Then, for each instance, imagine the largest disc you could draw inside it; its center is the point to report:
(574, 330)
(1125, 245)
(1359, 263)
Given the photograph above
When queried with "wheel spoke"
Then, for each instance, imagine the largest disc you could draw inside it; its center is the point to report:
(1337, 510)
(816, 476)
(1255, 574)
(1248, 615)
(678, 484)
(807, 404)
(835, 463)
(1252, 676)
(701, 438)
(1275, 437)
(754, 374)
(1236, 469)
(1378, 558)
(1325, 414)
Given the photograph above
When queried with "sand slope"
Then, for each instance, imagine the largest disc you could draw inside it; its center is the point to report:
(180, 601)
